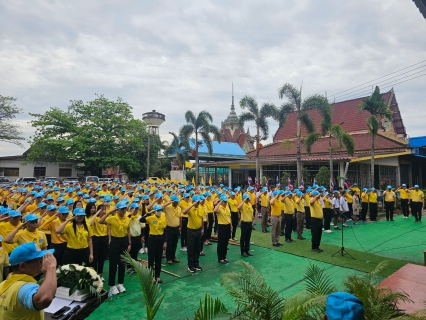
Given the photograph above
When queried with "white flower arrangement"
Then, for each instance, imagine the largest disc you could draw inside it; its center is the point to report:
(79, 278)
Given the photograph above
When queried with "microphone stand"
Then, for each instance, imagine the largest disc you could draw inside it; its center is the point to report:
(342, 251)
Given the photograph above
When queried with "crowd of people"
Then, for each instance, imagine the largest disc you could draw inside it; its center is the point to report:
(89, 223)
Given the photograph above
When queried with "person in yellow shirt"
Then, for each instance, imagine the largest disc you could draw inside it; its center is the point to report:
(79, 245)
(417, 201)
(183, 204)
(247, 216)
(28, 232)
(173, 214)
(49, 213)
(59, 241)
(364, 204)
(20, 295)
(99, 239)
(233, 206)
(275, 203)
(12, 221)
(404, 196)
(224, 228)
(299, 205)
(252, 194)
(119, 225)
(308, 199)
(210, 218)
(4, 261)
(349, 200)
(195, 214)
(264, 204)
(316, 220)
(328, 212)
(372, 203)
(390, 202)
(288, 202)
(157, 224)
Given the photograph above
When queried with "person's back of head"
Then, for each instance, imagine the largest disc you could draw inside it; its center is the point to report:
(344, 306)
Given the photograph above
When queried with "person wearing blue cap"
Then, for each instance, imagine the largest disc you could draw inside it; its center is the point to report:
(298, 199)
(343, 306)
(195, 214)
(417, 201)
(208, 227)
(157, 224)
(288, 215)
(390, 202)
(120, 241)
(79, 245)
(233, 206)
(364, 204)
(135, 233)
(316, 220)
(183, 204)
(20, 295)
(404, 196)
(28, 232)
(8, 226)
(276, 204)
(4, 261)
(372, 204)
(224, 228)
(173, 214)
(264, 205)
(48, 214)
(247, 217)
(99, 239)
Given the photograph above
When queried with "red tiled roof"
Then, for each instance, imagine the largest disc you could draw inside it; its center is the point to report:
(238, 137)
(345, 112)
(362, 147)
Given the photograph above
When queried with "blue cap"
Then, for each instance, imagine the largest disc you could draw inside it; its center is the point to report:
(121, 205)
(232, 193)
(79, 193)
(92, 200)
(42, 205)
(70, 201)
(60, 199)
(404, 185)
(207, 194)
(48, 198)
(416, 186)
(30, 217)
(288, 192)
(158, 195)
(364, 189)
(136, 200)
(145, 197)
(63, 210)
(157, 207)
(276, 192)
(246, 196)
(250, 188)
(202, 198)
(26, 252)
(223, 197)
(315, 193)
(195, 198)
(372, 189)
(264, 189)
(186, 195)
(134, 206)
(51, 207)
(15, 213)
(4, 210)
(116, 197)
(108, 198)
(344, 306)
(174, 198)
(389, 187)
(299, 194)
(79, 212)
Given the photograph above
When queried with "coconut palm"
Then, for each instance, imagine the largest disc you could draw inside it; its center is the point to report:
(201, 126)
(300, 107)
(332, 131)
(260, 119)
(378, 108)
(177, 146)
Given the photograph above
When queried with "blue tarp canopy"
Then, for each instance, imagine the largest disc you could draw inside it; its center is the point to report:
(417, 142)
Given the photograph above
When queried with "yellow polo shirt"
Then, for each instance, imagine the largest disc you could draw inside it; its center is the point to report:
(195, 217)
(6, 228)
(118, 226)
(173, 215)
(364, 197)
(276, 207)
(233, 205)
(372, 198)
(25, 236)
(404, 193)
(99, 229)
(224, 215)
(288, 206)
(316, 209)
(246, 212)
(78, 239)
(264, 200)
(183, 204)
(51, 225)
(156, 224)
(389, 196)
(416, 195)
(4, 262)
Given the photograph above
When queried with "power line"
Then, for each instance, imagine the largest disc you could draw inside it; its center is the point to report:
(368, 92)
(377, 83)
(380, 77)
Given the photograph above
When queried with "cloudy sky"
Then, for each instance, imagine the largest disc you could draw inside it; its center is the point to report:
(178, 55)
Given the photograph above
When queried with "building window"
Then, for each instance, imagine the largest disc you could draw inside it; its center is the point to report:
(65, 172)
(11, 172)
(39, 172)
(65, 165)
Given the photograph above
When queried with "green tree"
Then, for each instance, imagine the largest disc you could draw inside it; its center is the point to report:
(99, 134)
(9, 132)
(260, 119)
(323, 176)
(300, 107)
(332, 131)
(378, 108)
(201, 126)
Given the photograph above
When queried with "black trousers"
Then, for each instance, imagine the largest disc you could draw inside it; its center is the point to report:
(136, 246)
(308, 217)
(223, 236)
(172, 241)
(59, 252)
(288, 225)
(389, 207)
(416, 210)
(194, 247)
(146, 237)
(373, 211)
(155, 253)
(49, 241)
(328, 214)
(364, 209)
(246, 228)
(77, 256)
(183, 231)
(234, 220)
(404, 207)
(294, 221)
(215, 223)
(116, 248)
(100, 253)
(351, 212)
(208, 231)
(316, 232)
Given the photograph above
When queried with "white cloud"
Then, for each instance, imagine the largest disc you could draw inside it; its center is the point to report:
(173, 56)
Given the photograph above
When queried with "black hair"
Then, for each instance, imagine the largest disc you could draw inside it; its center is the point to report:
(89, 208)
(75, 204)
(74, 225)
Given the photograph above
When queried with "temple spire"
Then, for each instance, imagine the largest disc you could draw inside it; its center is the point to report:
(232, 105)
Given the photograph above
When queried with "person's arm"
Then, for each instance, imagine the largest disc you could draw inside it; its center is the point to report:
(240, 205)
(216, 209)
(90, 249)
(92, 220)
(274, 199)
(129, 239)
(61, 228)
(314, 199)
(167, 204)
(102, 220)
(11, 236)
(189, 208)
(45, 294)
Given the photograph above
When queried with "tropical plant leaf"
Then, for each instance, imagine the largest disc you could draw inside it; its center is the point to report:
(211, 309)
(317, 281)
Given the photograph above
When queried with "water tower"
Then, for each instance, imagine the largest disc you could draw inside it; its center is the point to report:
(153, 121)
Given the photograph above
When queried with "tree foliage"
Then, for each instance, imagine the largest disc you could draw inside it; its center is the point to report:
(9, 132)
(323, 176)
(98, 134)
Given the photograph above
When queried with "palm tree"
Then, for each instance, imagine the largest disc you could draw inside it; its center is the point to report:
(176, 146)
(300, 107)
(332, 131)
(259, 117)
(201, 126)
(377, 107)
